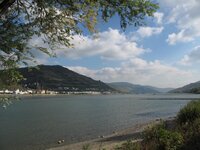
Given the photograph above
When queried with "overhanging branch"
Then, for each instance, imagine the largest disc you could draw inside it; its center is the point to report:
(5, 5)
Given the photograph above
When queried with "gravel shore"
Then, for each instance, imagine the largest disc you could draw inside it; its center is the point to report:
(110, 141)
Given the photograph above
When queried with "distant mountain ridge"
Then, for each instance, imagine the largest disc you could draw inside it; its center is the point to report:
(130, 88)
(190, 88)
(59, 78)
(161, 90)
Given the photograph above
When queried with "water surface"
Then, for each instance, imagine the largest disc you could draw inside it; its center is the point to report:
(39, 122)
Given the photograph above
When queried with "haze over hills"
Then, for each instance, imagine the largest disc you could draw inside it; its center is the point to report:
(126, 87)
(190, 88)
(59, 78)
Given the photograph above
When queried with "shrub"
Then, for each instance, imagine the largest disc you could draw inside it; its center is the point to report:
(86, 147)
(191, 135)
(189, 113)
(129, 145)
(158, 138)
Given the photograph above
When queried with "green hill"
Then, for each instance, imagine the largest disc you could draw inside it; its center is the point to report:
(126, 87)
(59, 78)
(190, 88)
(130, 88)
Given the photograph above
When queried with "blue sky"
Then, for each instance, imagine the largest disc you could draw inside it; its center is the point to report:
(163, 53)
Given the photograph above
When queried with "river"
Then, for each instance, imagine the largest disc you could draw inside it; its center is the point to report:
(38, 122)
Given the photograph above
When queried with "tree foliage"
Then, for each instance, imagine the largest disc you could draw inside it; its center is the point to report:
(56, 22)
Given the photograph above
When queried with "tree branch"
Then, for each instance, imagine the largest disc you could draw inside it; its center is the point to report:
(5, 5)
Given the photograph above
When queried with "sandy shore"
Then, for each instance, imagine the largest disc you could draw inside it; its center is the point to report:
(110, 141)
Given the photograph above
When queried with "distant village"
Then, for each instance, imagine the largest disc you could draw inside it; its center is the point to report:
(50, 92)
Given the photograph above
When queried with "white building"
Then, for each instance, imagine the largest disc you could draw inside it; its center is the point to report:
(8, 92)
(20, 92)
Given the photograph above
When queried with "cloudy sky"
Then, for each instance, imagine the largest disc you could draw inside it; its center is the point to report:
(164, 53)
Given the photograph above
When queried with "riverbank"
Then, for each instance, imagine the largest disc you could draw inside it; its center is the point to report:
(111, 141)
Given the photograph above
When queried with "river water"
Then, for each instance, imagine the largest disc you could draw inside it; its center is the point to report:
(38, 122)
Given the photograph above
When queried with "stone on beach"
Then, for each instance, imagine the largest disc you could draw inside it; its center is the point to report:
(61, 141)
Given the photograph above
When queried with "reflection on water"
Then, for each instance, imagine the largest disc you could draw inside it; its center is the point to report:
(39, 122)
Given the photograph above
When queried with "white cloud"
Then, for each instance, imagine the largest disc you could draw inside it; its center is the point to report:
(159, 17)
(109, 44)
(178, 37)
(185, 15)
(39, 57)
(192, 57)
(139, 71)
(171, 3)
(149, 31)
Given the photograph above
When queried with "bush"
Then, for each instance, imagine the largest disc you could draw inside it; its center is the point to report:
(129, 145)
(158, 138)
(192, 135)
(86, 147)
(189, 113)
